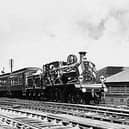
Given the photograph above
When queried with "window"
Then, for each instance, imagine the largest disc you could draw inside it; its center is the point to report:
(37, 82)
(11, 82)
(30, 82)
(121, 100)
(112, 99)
(19, 80)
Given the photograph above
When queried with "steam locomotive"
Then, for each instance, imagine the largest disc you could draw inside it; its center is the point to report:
(70, 81)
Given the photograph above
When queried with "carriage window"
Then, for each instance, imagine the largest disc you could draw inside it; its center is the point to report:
(112, 100)
(11, 81)
(15, 81)
(37, 82)
(121, 100)
(20, 80)
(1, 83)
(30, 82)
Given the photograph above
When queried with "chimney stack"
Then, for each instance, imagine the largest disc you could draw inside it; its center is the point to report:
(82, 54)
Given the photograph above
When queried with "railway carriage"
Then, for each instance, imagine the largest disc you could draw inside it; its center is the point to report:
(4, 84)
(14, 84)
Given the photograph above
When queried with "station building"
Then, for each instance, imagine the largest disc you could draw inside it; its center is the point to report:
(117, 83)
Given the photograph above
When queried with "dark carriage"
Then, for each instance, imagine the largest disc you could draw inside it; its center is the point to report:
(14, 84)
(4, 84)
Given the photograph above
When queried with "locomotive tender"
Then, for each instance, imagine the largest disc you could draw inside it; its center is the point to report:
(72, 81)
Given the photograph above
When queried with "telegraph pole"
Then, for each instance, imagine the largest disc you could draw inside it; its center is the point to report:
(11, 62)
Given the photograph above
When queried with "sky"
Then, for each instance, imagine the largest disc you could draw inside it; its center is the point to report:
(35, 32)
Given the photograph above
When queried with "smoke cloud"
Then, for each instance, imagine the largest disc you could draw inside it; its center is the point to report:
(114, 25)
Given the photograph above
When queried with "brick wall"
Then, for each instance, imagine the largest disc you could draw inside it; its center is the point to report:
(116, 100)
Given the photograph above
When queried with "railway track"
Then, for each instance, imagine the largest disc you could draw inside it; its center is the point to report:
(117, 117)
(87, 111)
(13, 119)
(30, 119)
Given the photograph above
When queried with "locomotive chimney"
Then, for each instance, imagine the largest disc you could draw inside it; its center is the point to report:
(82, 54)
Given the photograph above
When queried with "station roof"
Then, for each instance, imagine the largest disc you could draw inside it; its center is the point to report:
(109, 71)
(122, 76)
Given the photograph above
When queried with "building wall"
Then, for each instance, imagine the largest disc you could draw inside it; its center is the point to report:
(118, 93)
(116, 100)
